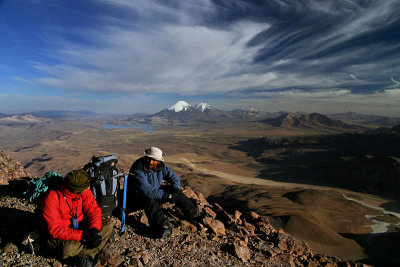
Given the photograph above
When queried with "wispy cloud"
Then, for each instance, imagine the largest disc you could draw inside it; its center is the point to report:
(186, 59)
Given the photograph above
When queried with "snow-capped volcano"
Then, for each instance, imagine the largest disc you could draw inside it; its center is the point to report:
(203, 106)
(182, 112)
(180, 106)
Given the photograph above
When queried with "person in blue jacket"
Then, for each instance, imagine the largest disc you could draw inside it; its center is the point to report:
(146, 190)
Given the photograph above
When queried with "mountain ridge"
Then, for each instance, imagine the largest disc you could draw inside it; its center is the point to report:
(311, 120)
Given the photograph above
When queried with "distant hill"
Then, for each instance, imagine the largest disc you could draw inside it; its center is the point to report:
(20, 120)
(2, 115)
(366, 120)
(305, 121)
(253, 114)
(61, 114)
(396, 129)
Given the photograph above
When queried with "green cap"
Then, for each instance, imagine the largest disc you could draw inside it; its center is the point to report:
(77, 181)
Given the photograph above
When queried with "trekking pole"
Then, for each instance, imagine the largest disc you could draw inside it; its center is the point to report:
(124, 202)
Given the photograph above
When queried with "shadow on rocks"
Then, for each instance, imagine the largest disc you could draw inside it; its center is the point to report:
(15, 224)
(15, 188)
(382, 248)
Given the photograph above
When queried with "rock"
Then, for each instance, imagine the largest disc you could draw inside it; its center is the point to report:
(210, 212)
(10, 247)
(236, 216)
(216, 226)
(190, 193)
(187, 227)
(136, 263)
(254, 216)
(249, 227)
(281, 241)
(143, 219)
(10, 169)
(110, 256)
(242, 251)
(223, 215)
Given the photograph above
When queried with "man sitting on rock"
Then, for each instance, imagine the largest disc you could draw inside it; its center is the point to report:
(145, 189)
(71, 221)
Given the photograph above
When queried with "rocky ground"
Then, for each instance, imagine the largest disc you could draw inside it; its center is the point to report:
(221, 239)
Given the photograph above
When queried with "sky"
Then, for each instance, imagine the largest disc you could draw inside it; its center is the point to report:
(130, 56)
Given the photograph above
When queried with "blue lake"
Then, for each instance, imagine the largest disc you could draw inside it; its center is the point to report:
(144, 127)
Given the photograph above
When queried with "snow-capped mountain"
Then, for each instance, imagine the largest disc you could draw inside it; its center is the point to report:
(183, 112)
(180, 106)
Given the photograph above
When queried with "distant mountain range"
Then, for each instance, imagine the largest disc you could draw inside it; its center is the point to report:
(291, 120)
(183, 113)
(366, 120)
(62, 114)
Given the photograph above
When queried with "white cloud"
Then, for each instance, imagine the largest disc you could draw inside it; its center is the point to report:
(396, 83)
(306, 94)
(353, 76)
(181, 59)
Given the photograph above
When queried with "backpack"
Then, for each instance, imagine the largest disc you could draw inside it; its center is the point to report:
(105, 186)
(38, 187)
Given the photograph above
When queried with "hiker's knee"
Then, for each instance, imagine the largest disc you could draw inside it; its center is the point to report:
(63, 248)
(106, 229)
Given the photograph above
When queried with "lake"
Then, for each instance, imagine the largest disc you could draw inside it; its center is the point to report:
(143, 127)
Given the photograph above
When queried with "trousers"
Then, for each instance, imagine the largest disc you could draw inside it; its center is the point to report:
(70, 248)
(155, 213)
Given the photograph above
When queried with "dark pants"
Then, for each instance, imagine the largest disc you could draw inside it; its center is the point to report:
(153, 210)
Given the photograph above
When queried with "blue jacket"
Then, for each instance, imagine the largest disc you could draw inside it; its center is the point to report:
(148, 182)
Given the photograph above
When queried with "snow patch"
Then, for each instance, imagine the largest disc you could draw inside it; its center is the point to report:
(203, 106)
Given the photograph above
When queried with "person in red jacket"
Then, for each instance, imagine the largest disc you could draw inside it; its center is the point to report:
(72, 221)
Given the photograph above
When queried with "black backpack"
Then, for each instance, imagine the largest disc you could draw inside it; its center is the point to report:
(105, 183)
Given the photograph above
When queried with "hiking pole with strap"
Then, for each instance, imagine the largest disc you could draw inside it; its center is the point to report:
(124, 203)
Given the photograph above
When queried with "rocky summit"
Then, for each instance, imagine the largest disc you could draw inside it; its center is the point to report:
(10, 169)
(220, 239)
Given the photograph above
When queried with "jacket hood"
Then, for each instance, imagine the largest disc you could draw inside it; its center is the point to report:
(69, 194)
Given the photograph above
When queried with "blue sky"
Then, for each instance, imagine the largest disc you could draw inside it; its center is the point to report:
(125, 56)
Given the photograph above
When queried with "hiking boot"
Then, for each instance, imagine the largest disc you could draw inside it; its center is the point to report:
(165, 230)
(31, 241)
(80, 261)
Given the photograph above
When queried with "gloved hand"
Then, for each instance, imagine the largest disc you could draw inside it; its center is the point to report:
(167, 196)
(91, 238)
(171, 194)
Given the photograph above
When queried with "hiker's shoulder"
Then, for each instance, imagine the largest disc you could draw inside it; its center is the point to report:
(138, 165)
(51, 195)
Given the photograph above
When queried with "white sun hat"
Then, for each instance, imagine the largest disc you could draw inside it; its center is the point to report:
(154, 153)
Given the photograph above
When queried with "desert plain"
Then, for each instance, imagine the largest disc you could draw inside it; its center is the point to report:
(288, 174)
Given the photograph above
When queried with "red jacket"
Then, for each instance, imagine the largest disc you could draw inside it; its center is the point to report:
(56, 214)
